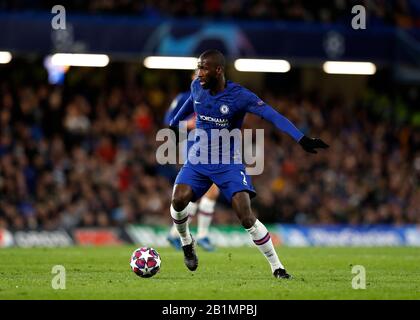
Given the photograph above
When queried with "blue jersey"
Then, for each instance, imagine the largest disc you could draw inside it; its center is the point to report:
(226, 110)
(175, 106)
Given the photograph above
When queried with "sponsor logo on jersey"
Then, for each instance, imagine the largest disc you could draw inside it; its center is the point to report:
(218, 121)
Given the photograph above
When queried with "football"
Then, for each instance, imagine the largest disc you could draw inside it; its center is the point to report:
(145, 262)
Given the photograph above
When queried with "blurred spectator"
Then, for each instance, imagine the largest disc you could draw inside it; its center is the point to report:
(94, 164)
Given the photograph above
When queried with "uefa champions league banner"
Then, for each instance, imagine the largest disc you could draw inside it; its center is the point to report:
(378, 235)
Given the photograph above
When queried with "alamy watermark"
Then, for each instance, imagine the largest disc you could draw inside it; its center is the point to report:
(359, 20)
(58, 282)
(359, 280)
(58, 22)
(212, 146)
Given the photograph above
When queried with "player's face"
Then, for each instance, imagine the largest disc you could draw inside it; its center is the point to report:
(207, 73)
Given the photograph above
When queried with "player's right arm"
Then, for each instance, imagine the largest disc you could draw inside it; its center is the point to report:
(173, 109)
(186, 110)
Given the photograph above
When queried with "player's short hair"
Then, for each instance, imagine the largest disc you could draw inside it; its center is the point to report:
(216, 55)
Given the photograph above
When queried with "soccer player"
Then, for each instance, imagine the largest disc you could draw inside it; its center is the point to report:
(220, 104)
(206, 205)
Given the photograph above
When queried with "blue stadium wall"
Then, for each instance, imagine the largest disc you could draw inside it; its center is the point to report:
(131, 37)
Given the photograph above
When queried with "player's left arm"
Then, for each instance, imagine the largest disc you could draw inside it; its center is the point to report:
(260, 108)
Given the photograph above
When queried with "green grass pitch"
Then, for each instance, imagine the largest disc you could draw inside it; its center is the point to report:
(228, 273)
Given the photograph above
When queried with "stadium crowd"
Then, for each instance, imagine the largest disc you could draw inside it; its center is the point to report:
(72, 157)
(404, 13)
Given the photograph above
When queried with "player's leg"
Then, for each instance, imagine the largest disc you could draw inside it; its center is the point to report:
(189, 186)
(181, 196)
(241, 203)
(173, 236)
(205, 216)
(192, 208)
(235, 184)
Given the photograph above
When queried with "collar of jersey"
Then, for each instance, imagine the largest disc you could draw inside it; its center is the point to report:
(229, 86)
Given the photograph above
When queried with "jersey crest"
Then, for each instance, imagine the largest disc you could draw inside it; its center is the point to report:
(224, 109)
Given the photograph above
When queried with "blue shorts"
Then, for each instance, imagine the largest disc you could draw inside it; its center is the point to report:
(229, 178)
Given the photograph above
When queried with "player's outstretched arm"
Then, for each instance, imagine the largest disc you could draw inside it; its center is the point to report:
(282, 123)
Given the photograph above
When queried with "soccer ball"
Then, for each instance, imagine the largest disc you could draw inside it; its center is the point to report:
(145, 262)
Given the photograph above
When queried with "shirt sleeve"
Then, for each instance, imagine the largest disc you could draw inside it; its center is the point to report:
(186, 110)
(171, 112)
(256, 106)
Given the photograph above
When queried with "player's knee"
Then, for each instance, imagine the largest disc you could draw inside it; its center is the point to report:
(248, 221)
(179, 204)
(181, 198)
(242, 207)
